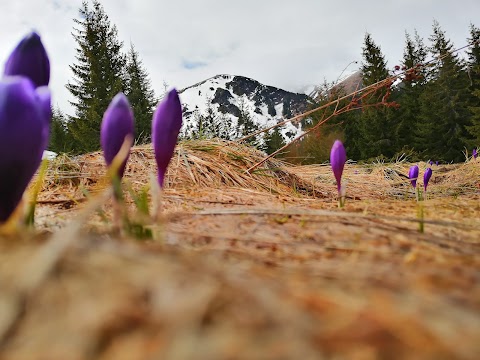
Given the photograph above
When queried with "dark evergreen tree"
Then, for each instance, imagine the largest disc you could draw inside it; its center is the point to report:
(444, 115)
(474, 77)
(60, 138)
(198, 129)
(315, 147)
(410, 90)
(98, 74)
(353, 137)
(273, 140)
(246, 125)
(225, 128)
(141, 96)
(376, 122)
(211, 124)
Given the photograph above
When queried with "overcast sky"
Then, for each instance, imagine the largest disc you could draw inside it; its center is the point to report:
(288, 44)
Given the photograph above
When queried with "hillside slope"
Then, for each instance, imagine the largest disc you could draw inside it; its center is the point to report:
(230, 96)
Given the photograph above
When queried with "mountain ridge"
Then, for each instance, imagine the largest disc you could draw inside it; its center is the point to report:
(234, 96)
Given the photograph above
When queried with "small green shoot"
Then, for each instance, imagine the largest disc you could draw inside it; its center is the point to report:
(138, 227)
(36, 188)
(140, 199)
(421, 217)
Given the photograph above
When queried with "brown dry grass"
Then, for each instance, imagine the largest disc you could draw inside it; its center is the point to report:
(247, 266)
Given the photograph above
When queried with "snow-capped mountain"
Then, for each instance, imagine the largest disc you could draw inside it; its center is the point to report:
(231, 97)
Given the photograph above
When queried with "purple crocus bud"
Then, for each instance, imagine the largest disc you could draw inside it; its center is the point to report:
(338, 157)
(117, 124)
(474, 153)
(24, 128)
(30, 59)
(430, 162)
(45, 99)
(436, 162)
(426, 178)
(166, 124)
(413, 175)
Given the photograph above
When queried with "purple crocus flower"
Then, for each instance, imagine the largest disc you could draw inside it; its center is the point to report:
(30, 59)
(338, 157)
(413, 175)
(426, 178)
(45, 99)
(117, 124)
(24, 127)
(475, 153)
(166, 124)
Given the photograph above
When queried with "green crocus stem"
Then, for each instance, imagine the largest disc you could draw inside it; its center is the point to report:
(420, 216)
(157, 198)
(118, 203)
(37, 187)
(417, 193)
(341, 197)
(117, 215)
(159, 205)
(117, 188)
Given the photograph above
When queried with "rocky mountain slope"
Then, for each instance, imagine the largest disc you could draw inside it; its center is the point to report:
(231, 99)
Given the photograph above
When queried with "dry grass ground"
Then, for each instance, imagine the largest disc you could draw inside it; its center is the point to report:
(260, 266)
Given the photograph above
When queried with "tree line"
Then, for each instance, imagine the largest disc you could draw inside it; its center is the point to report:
(436, 113)
(102, 69)
(434, 110)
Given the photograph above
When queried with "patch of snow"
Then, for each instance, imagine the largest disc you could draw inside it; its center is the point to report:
(194, 99)
(50, 155)
(279, 110)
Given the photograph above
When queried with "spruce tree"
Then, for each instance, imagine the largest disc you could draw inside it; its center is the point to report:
(273, 140)
(444, 115)
(211, 124)
(141, 96)
(315, 147)
(60, 138)
(376, 123)
(410, 90)
(246, 125)
(474, 75)
(98, 74)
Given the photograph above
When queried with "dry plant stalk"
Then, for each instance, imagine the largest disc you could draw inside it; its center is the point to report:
(355, 97)
(352, 105)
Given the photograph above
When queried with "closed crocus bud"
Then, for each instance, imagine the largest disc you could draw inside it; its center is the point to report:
(166, 124)
(30, 59)
(413, 175)
(474, 153)
(426, 178)
(338, 157)
(117, 124)
(45, 100)
(24, 128)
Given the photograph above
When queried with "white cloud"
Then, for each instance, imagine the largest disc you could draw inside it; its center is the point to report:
(281, 43)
